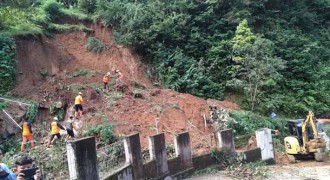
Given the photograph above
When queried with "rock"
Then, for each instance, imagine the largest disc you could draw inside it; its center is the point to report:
(155, 92)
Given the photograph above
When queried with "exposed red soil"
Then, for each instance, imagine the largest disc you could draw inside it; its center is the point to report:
(66, 53)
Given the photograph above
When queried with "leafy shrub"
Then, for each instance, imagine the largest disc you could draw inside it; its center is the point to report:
(53, 9)
(7, 63)
(94, 45)
(81, 72)
(2, 105)
(249, 122)
(10, 147)
(87, 6)
(32, 111)
(104, 131)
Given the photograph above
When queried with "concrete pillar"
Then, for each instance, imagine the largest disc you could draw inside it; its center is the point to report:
(265, 143)
(226, 141)
(157, 151)
(183, 149)
(82, 159)
(133, 155)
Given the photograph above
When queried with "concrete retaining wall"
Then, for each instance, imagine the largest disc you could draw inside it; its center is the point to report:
(160, 168)
(124, 173)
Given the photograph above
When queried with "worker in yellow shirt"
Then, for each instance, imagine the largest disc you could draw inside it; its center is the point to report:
(78, 101)
(55, 127)
(27, 134)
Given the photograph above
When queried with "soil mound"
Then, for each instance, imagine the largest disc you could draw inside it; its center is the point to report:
(55, 69)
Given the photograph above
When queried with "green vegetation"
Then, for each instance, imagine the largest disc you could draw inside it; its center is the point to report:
(94, 45)
(83, 72)
(273, 54)
(236, 166)
(7, 63)
(32, 111)
(248, 123)
(104, 131)
(54, 110)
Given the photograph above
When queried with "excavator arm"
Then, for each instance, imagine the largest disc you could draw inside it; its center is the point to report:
(308, 121)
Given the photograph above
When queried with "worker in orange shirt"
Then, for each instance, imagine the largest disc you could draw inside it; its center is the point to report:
(119, 80)
(106, 81)
(78, 101)
(27, 134)
(55, 127)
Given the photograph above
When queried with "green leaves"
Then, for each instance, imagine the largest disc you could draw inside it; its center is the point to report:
(7, 63)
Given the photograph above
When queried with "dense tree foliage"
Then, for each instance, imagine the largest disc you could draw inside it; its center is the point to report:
(274, 54)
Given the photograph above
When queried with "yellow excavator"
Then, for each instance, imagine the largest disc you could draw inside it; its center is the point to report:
(304, 140)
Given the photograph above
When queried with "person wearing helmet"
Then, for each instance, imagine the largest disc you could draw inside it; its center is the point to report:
(55, 127)
(106, 81)
(78, 101)
(26, 134)
(119, 80)
(70, 126)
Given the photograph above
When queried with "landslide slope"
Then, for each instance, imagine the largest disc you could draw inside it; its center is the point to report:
(55, 69)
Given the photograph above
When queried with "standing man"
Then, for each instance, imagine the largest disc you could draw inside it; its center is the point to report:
(119, 80)
(70, 126)
(78, 101)
(55, 127)
(106, 81)
(27, 134)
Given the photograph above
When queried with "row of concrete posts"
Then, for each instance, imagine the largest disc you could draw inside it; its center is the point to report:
(82, 157)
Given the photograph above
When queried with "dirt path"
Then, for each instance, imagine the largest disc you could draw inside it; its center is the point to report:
(298, 172)
(303, 170)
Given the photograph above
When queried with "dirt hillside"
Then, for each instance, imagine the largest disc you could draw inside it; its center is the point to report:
(46, 68)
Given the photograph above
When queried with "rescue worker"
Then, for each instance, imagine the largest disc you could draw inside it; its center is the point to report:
(119, 80)
(78, 101)
(106, 81)
(55, 127)
(27, 134)
(70, 126)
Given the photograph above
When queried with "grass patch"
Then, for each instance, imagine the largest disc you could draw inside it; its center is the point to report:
(83, 72)
(68, 27)
(76, 13)
(94, 45)
(114, 97)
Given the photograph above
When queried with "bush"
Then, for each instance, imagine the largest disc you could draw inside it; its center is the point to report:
(87, 6)
(7, 63)
(104, 131)
(32, 112)
(94, 45)
(53, 9)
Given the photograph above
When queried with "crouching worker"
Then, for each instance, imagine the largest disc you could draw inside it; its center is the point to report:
(25, 169)
(55, 130)
(70, 126)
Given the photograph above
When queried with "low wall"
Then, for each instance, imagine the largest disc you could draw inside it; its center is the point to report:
(252, 155)
(124, 173)
(150, 169)
(176, 168)
(203, 161)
